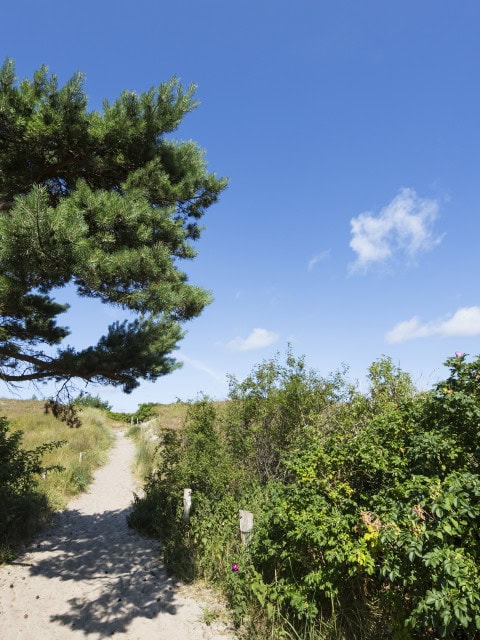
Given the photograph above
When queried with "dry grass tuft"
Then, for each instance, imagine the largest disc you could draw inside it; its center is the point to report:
(93, 439)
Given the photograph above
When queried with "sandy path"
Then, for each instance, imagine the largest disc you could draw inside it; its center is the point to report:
(90, 576)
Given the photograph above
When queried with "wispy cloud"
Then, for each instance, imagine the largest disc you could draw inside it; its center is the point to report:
(258, 339)
(320, 257)
(405, 226)
(201, 366)
(464, 322)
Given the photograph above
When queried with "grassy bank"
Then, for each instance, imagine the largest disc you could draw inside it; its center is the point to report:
(34, 486)
(147, 436)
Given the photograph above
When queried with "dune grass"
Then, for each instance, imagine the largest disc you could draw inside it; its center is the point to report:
(146, 436)
(82, 451)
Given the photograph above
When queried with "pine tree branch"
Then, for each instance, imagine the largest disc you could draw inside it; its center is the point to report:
(50, 368)
(104, 202)
(22, 378)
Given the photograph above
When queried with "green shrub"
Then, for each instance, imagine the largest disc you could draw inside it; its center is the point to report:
(145, 411)
(194, 457)
(79, 477)
(22, 508)
(267, 413)
(87, 400)
(366, 505)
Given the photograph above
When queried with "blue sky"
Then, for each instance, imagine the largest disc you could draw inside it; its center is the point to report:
(350, 135)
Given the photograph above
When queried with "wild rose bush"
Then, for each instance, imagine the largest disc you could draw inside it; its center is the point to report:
(366, 505)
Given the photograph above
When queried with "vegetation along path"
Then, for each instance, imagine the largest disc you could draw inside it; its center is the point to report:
(91, 576)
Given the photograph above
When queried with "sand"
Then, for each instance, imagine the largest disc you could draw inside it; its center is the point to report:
(90, 576)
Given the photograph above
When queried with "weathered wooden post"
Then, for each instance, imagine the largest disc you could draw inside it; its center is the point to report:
(187, 504)
(80, 457)
(246, 526)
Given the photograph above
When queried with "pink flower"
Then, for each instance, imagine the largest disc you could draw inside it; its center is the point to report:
(235, 567)
(458, 354)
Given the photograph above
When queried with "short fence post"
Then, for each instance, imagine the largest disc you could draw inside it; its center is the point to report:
(246, 526)
(80, 457)
(187, 504)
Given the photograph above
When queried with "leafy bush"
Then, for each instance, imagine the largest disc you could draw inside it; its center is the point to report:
(194, 458)
(366, 505)
(22, 508)
(145, 411)
(87, 400)
(268, 412)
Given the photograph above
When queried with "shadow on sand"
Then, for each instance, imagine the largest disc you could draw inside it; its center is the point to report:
(120, 574)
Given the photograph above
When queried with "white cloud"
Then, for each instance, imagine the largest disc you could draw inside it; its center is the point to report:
(258, 339)
(404, 226)
(407, 330)
(318, 258)
(464, 322)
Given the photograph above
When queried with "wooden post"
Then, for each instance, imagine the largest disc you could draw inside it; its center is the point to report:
(80, 457)
(187, 504)
(246, 526)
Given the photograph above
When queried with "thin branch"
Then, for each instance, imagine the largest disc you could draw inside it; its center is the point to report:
(52, 369)
(22, 378)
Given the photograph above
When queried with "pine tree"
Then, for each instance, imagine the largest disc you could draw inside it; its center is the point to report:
(106, 202)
